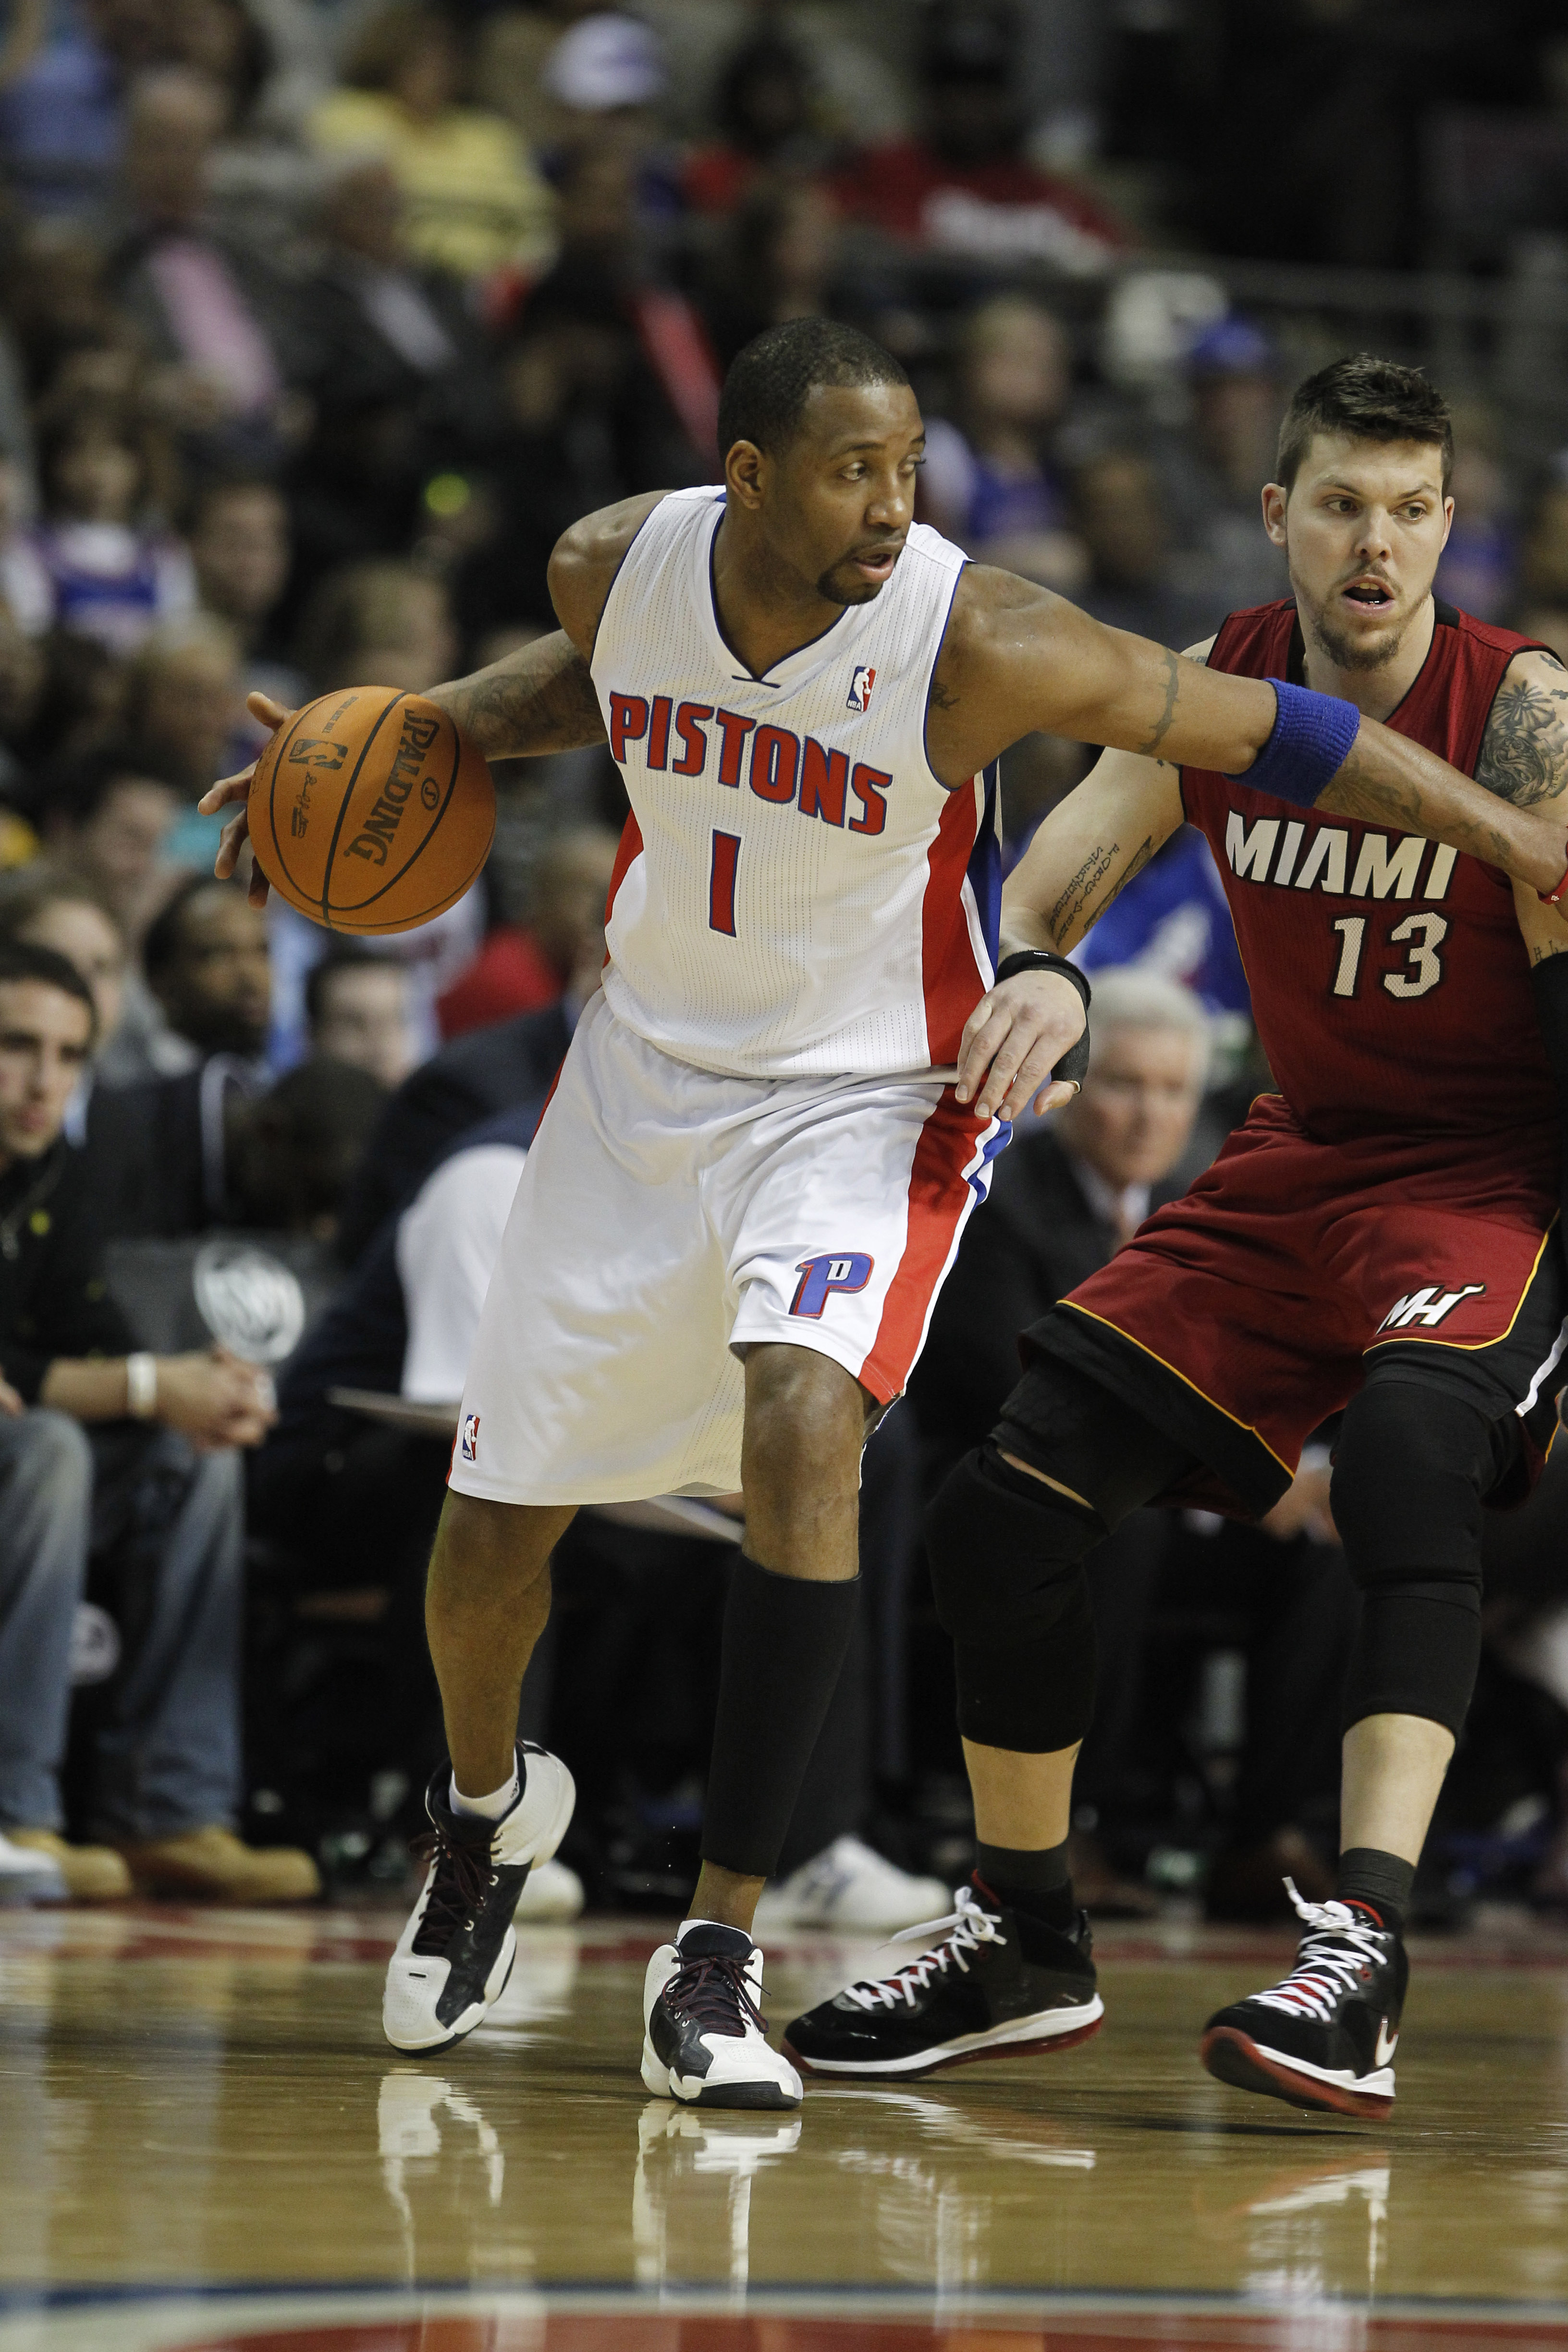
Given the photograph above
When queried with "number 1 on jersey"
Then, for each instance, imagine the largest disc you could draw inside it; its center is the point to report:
(722, 882)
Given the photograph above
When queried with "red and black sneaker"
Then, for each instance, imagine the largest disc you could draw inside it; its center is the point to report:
(995, 1985)
(1324, 2037)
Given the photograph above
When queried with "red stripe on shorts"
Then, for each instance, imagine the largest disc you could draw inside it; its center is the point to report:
(939, 1195)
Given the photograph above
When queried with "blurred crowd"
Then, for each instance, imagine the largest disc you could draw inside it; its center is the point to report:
(319, 320)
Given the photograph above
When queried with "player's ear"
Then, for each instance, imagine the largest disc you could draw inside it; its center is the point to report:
(1275, 495)
(746, 468)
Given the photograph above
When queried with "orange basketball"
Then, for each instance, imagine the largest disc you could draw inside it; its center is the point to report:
(368, 811)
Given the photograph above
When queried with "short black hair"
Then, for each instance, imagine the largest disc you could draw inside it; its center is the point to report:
(166, 933)
(771, 380)
(19, 960)
(1366, 399)
(343, 955)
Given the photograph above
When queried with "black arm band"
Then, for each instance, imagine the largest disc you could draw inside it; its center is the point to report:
(1074, 1063)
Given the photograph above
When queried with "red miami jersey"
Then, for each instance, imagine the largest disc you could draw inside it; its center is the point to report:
(1390, 984)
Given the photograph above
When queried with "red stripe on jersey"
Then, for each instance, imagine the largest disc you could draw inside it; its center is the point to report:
(626, 857)
(940, 1194)
(953, 981)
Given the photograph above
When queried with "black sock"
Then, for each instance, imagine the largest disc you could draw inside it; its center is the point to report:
(1034, 1881)
(784, 1641)
(1380, 1883)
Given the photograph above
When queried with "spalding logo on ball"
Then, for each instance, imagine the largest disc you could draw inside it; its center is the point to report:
(370, 813)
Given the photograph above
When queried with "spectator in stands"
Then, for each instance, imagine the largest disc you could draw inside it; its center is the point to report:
(476, 201)
(605, 76)
(182, 698)
(1544, 565)
(965, 187)
(403, 383)
(97, 562)
(763, 111)
(104, 1446)
(60, 108)
(358, 1012)
(778, 260)
(1213, 474)
(73, 918)
(378, 623)
(107, 815)
(214, 310)
(495, 1069)
(1119, 512)
(162, 1147)
(521, 968)
(1478, 566)
(241, 547)
(989, 480)
(289, 1152)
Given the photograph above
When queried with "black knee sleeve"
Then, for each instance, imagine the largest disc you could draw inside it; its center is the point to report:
(1411, 1470)
(1007, 1560)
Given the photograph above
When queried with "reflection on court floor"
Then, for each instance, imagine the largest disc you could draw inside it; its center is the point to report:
(205, 2143)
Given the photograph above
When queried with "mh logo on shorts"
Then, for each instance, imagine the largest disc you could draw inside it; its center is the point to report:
(844, 1270)
(1428, 1305)
(860, 686)
(469, 1444)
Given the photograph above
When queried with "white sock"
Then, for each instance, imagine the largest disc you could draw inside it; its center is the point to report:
(491, 1808)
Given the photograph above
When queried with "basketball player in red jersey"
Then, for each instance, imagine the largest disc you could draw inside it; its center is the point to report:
(810, 544)
(1380, 1235)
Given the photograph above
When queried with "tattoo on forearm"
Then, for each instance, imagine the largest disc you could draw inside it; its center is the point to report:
(1086, 898)
(541, 700)
(1389, 799)
(1173, 685)
(1525, 752)
(1135, 865)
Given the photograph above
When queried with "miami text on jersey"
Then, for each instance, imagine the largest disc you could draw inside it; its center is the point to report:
(1305, 856)
(774, 763)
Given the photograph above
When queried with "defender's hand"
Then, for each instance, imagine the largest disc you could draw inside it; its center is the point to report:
(1013, 1040)
(237, 788)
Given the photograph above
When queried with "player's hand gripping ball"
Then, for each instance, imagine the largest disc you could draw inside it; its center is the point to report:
(369, 811)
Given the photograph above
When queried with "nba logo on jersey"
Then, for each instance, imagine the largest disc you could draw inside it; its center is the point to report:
(860, 686)
(469, 1444)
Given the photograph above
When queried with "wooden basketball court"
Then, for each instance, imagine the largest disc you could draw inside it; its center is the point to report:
(205, 2142)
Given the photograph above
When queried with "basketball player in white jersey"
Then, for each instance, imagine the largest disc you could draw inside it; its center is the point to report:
(756, 1166)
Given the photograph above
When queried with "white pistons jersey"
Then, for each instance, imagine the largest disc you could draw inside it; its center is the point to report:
(796, 894)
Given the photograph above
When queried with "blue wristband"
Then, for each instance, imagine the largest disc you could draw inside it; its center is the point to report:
(1311, 741)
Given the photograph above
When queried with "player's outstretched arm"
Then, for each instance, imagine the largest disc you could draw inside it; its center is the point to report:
(1016, 659)
(537, 700)
(1084, 854)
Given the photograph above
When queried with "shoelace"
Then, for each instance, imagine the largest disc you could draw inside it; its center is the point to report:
(1337, 1952)
(461, 1882)
(971, 1925)
(713, 1989)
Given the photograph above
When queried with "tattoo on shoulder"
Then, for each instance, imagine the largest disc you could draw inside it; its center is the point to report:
(1173, 685)
(943, 697)
(1525, 752)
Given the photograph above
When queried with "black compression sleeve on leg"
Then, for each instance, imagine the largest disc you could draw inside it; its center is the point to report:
(1417, 1653)
(785, 1642)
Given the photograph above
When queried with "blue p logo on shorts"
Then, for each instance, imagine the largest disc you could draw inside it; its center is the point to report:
(846, 1270)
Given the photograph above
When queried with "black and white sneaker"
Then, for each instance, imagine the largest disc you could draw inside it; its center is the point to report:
(995, 1986)
(1324, 2037)
(704, 2042)
(455, 1955)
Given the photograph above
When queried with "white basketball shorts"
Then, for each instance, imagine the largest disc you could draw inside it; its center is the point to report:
(666, 1217)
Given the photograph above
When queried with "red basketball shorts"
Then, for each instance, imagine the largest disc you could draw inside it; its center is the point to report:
(1242, 1316)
